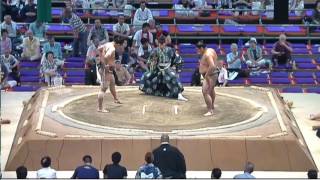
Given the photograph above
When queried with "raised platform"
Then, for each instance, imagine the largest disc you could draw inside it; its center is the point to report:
(250, 124)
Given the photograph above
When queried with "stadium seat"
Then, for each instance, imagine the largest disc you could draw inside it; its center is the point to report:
(30, 78)
(190, 60)
(306, 66)
(239, 81)
(303, 60)
(32, 72)
(317, 74)
(29, 64)
(280, 81)
(196, 30)
(74, 80)
(258, 80)
(309, 81)
(74, 65)
(279, 75)
(313, 90)
(26, 88)
(75, 73)
(289, 30)
(292, 90)
(302, 74)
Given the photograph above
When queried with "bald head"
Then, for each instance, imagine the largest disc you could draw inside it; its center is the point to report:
(164, 138)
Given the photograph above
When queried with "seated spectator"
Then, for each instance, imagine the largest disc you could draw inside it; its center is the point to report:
(312, 174)
(91, 63)
(148, 170)
(281, 51)
(99, 6)
(79, 32)
(54, 47)
(46, 172)
(99, 32)
(144, 52)
(11, 28)
(160, 32)
(5, 84)
(242, 6)
(316, 13)
(223, 74)
(247, 172)
(86, 171)
(224, 4)
(12, 65)
(22, 172)
(143, 33)
(49, 68)
(257, 6)
(216, 173)
(5, 44)
(29, 12)
(121, 29)
(80, 6)
(234, 60)
(119, 4)
(31, 47)
(296, 6)
(115, 170)
(122, 76)
(201, 4)
(152, 27)
(10, 8)
(38, 29)
(169, 160)
(255, 56)
(142, 15)
(184, 8)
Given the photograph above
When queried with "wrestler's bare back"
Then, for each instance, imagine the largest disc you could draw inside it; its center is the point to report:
(107, 54)
(204, 61)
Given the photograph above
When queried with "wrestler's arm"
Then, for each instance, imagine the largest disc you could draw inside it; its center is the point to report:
(210, 57)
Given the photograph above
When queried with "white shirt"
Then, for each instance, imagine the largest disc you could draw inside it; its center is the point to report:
(223, 75)
(141, 52)
(122, 29)
(47, 173)
(138, 36)
(141, 17)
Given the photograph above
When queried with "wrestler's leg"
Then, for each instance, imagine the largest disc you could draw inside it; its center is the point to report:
(112, 85)
(101, 94)
(212, 90)
(207, 97)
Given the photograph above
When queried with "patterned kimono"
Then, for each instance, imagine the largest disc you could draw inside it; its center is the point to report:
(161, 79)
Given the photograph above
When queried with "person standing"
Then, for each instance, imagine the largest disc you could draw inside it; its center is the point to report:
(209, 70)
(107, 64)
(169, 160)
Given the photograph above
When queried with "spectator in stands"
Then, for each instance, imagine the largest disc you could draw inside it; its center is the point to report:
(161, 32)
(152, 27)
(5, 42)
(79, 32)
(46, 172)
(223, 74)
(98, 31)
(255, 56)
(86, 171)
(22, 172)
(29, 12)
(312, 174)
(91, 63)
(247, 172)
(184, 8)
(49, 68)
(121, 29)
(143, 33)
(31, 47)
(122, 75)
(54, 47)
(169, 160)
(10, 8)
(11, 28)
(12, 65)
(242, 7)
(281, 51)
(316, 13)
(99, 6)
(144, 52)
(142, 15)
(115, 170)
(119, 4)
(234, 60)
(5, 84)
(80, 6)
(38, 29)
(148, 170)
(296, 6)
(216, 173)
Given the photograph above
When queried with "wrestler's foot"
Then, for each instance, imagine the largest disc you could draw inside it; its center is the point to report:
(181, 98)
(103, 110)
(5, 121)
(209, 113)
(313, 117)
(117, 101)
